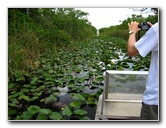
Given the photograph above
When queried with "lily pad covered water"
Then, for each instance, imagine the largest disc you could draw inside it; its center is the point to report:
(66, 85)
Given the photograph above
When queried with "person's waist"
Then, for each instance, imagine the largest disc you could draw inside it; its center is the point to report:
(148, 104)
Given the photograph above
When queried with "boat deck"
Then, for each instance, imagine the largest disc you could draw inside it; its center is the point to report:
(119, 106)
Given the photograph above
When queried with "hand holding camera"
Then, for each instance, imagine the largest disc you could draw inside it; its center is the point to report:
(134, 27)
(145, 25)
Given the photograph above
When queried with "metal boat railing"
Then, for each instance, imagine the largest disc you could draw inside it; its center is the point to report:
(128, 77)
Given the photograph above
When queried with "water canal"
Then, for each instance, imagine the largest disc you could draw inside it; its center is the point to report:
(66, 86)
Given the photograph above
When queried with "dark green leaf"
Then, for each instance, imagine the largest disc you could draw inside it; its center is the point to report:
(14, 101)
(51, 71)
(50, 99)
(55, 116)
(34, 80)
(76, 104)
(15, 95)
(18, 117)
(20, 79)
(40, 88)
(71, 85)
(83, 117)
(13, 105)
(12, 112)
(11, 85)
(80, 112)
(79, 97)
(26, 115)
(33, 98)
(33, 109)
(23, 97)
(27, 85)
(81, 87)
(100, 78)
(45, 111)
(24, 90)
(33, 90)
(38, 94)
(41, 116)
(67, 111)
(90, 102)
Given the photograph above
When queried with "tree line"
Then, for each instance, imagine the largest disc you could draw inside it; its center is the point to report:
(55, 25)
(121, 31)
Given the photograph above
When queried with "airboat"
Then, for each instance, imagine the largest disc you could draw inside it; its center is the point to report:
(122, 95)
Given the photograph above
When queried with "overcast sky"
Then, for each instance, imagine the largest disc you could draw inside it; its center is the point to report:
(105, 17)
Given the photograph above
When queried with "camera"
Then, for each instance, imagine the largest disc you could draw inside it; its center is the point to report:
(144, 26)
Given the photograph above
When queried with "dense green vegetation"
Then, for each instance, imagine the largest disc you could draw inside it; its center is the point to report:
(33, 31)
(121, 30)
(54, 52)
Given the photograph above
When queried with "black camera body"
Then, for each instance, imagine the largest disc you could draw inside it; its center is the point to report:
(144, 26)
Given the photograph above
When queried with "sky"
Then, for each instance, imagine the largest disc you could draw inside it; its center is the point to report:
(105, 17)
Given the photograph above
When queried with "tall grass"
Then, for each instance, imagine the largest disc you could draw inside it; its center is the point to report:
(24, 49)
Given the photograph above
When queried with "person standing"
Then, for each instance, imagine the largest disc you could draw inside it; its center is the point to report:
(147, 43)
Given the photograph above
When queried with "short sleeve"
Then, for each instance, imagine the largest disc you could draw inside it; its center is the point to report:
(148, 42)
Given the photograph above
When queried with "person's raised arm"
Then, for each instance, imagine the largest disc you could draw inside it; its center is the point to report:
(133, 29)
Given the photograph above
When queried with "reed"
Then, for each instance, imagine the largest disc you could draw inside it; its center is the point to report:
(24, 49)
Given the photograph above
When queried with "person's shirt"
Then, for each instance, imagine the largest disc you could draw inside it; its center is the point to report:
(149, 43)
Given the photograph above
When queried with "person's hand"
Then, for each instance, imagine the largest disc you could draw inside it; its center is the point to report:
(149, 23)
(133, 26)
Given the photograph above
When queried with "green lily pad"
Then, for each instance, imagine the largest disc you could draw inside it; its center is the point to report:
(67, 111)
(26, 115)
(33, 109)
(11, 85)
(33, 98)
(100, 78)
(75, 104)
(27, 85)
(90, 102)
(12, 112)
(45, 111)
(24, 90)
(78, 96)
(80, 112)
(56, 116)
(50, 99)
(83, 117)
(41, 116)
(70, 86)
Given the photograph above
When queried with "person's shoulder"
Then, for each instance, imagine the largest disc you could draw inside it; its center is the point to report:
(156, 24)
(156, 27)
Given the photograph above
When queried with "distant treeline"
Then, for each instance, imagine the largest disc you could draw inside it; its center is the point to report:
(121, 30)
